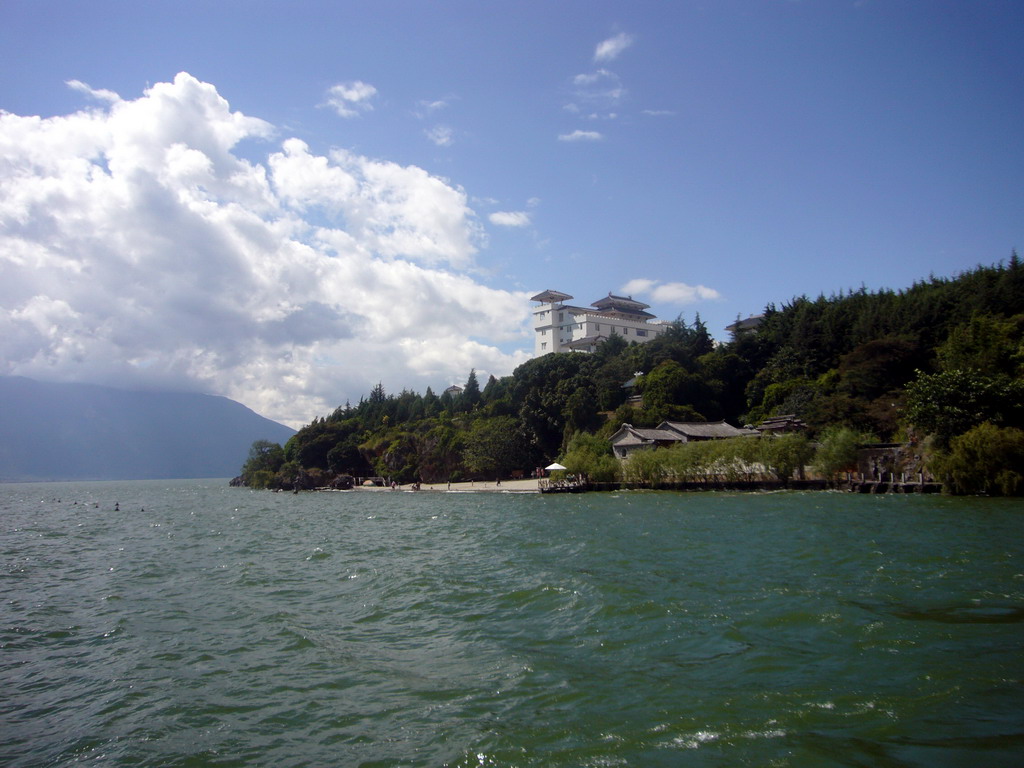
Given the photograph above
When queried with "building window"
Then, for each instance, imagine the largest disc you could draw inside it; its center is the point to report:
(640, 332)
(544, 332)
(543, 345)
(561, 316)
(597, 326)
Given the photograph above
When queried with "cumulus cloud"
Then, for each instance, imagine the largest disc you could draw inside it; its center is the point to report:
(510, 218)
(611, 48)
(579, 135)
(670, 293)
(349, 99)
(137, 248)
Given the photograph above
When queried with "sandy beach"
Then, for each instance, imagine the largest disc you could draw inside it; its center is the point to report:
(505, 486)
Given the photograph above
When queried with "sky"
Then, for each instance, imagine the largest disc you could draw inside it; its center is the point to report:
(286, 203)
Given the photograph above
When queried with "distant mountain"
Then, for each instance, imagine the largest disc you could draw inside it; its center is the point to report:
(88, 432)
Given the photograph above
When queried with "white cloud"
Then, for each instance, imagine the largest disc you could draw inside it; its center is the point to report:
(100, 94)
(598, 91)
(510, 218)
(390, 210)
(611, 48)
(137, 249)
(579, 135)
(442, 135)
(670, 293)
(349, 99)
(658, 112)
(638, 286)
(432, 106)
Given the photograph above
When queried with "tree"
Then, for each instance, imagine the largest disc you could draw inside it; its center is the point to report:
(440, 453)
(264, 454)
(986, 459)
(591, 456)
(492, 390)
(949, 403)
(469, 400)
(431, 404)
(645, 467)
(265, 459)
(495, 447)
(988, 344)
(610, 348)
(345, 458)
(786, 454)
(540, 392)
(676, 393)
(879, 366)
(837, 450)
(581, 411)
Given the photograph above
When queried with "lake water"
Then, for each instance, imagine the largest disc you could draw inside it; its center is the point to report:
(202, 625)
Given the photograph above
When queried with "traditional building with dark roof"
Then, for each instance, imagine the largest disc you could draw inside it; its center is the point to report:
(629, 438)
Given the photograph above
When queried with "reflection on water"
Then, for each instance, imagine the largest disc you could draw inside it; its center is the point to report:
(188, 623)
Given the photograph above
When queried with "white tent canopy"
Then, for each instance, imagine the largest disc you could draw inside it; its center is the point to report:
(556, 465)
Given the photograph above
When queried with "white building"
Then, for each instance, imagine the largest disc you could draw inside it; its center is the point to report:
(562, 327)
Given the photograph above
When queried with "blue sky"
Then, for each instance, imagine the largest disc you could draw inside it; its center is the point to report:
(335, 194)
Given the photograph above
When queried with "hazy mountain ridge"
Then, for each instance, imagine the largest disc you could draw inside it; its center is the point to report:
(51, 431)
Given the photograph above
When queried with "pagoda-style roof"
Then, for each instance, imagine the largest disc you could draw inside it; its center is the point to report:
(551, 297)
(619, 302)
(622, 305)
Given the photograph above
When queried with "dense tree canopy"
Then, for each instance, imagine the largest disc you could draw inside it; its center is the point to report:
(940, 358)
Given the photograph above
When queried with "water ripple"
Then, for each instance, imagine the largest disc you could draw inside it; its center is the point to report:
(201, 625)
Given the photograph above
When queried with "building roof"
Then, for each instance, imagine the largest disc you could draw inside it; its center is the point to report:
(787, 423)
(664, 435)
(752, 322)
(550, 296)
(705, 430)
(619, 302)
(586, 342)
(628, 435)
(622, 305)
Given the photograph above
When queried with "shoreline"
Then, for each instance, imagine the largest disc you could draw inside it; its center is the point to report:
(532, 485)
(529, 485)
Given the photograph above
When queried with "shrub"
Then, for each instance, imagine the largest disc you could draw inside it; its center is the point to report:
(837, 451)
(591, 456)
(984, 460)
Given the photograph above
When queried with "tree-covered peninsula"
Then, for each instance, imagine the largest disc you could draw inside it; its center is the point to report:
(938, 365)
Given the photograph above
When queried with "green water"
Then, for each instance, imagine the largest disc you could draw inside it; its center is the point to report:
(200, 625)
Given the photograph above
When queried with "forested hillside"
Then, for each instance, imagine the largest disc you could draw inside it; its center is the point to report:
(933, 363)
